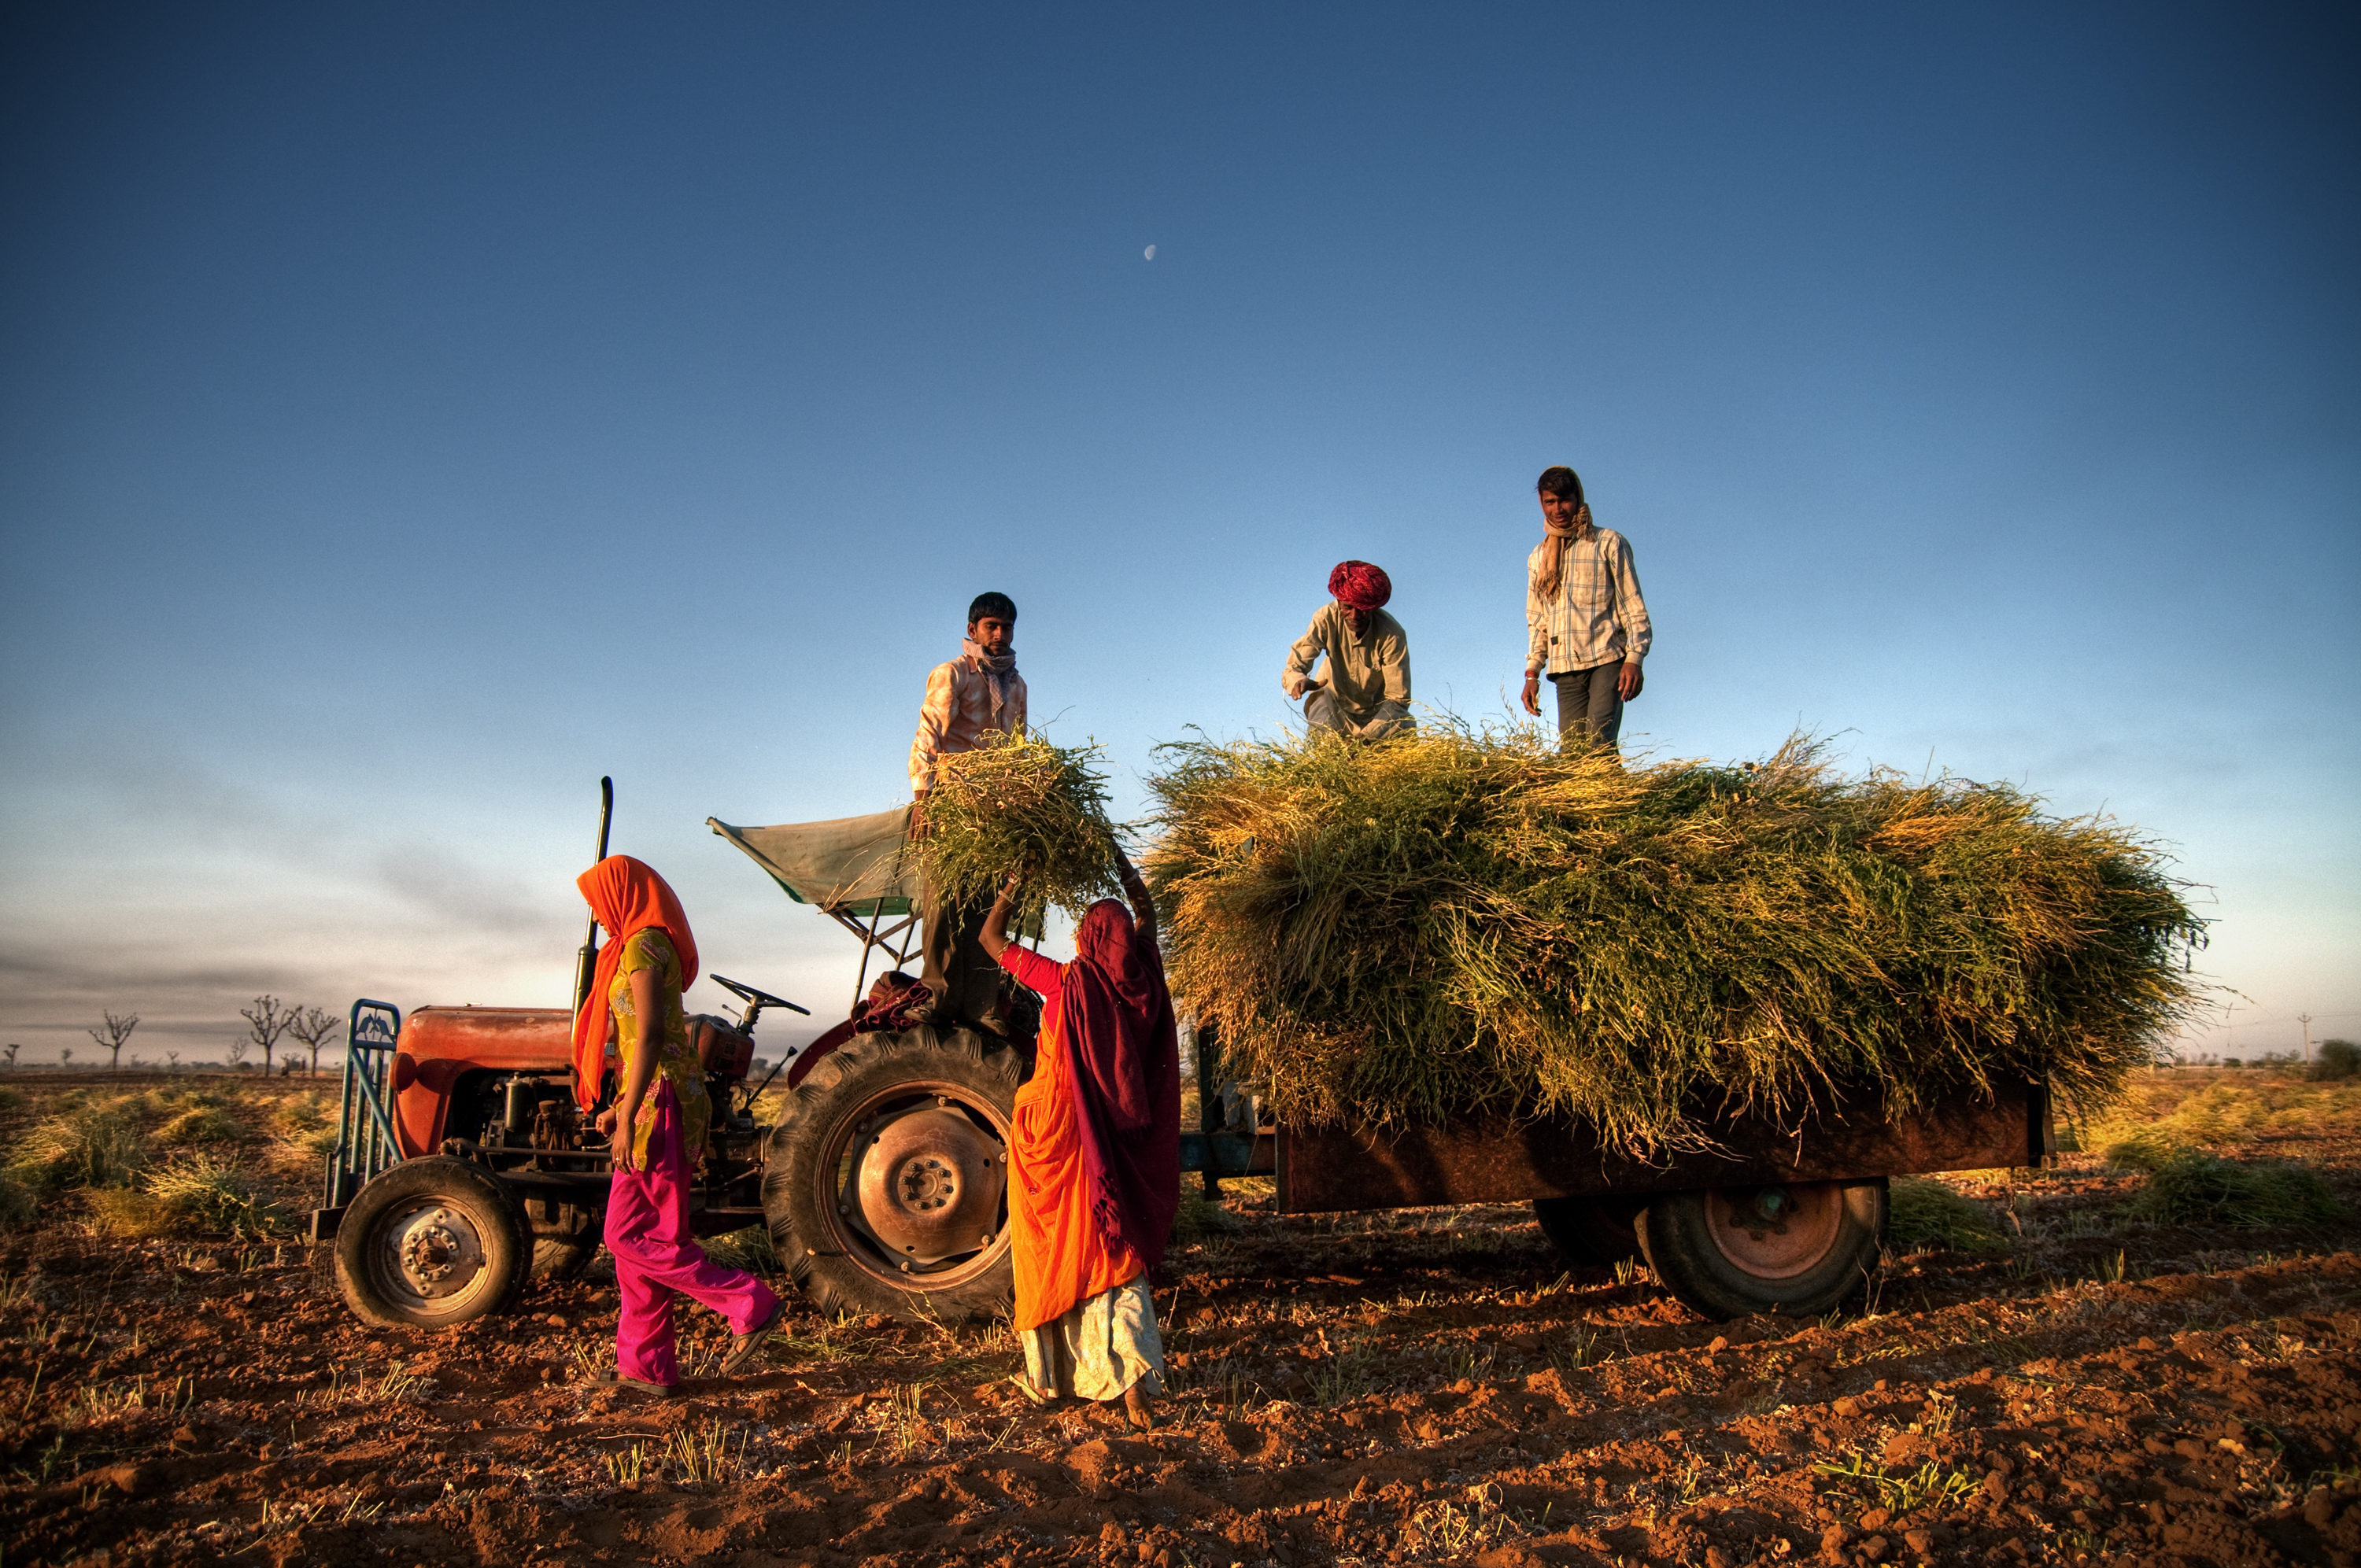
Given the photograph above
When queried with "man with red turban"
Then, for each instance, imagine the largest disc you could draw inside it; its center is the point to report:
(1364, 693)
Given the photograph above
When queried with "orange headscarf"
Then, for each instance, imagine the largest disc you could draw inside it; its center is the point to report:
(627, 897)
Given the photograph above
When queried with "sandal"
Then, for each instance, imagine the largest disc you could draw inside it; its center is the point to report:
(612, 1379)
(744, 1347)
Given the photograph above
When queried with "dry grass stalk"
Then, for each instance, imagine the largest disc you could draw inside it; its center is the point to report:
(1471, 919)
(1020, 804)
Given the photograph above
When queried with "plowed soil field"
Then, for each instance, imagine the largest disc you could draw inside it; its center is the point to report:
(2082, 1385)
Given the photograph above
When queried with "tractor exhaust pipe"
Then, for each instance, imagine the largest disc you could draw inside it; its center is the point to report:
(586, 962)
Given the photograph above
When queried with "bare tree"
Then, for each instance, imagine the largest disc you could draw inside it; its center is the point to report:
(265, 1022)
(12, 1054)
(112, 1034)
(315, 1027)
(172, 1061)
(65, 1055)
(236, 1051)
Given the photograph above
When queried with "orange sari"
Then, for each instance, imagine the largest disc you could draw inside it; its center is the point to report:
(1061, 1256)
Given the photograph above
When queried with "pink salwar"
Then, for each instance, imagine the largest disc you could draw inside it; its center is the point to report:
(656, 1259)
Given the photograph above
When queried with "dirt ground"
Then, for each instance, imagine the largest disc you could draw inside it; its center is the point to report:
(1418, 1387)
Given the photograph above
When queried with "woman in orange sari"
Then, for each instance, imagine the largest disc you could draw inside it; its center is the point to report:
(1094, 1155)
(656, 1137)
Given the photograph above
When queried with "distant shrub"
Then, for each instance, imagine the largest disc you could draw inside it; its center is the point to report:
(186, 1099)
(302, 1148)
(1199, 1218)
(17, 1203)
(87, 1145)
(303, 1112)
(749, 1249)
(2193, 1187)
(129, 1214)
(1923, 1211)
(2144, 1148)
(201, 1125)
(206, 1192)
(2336, 1059)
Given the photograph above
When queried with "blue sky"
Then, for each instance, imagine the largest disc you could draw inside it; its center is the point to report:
(408, 414)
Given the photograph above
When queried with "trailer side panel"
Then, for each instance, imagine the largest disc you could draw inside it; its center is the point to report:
(1333, 1169)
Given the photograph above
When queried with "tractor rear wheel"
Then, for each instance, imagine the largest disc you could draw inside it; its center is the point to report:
(1796, 1248)
(431, 1243)
(887, 1186)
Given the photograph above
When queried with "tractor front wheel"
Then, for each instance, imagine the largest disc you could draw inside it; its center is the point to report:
(887, 1186)
(432, 1243)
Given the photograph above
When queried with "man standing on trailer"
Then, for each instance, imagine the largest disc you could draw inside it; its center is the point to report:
(968, 699)
(1586, 624)
(1365, 694)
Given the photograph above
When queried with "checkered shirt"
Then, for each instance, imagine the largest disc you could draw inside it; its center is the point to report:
(1598, 617)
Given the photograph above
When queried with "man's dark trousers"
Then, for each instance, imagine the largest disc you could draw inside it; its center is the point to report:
(964, 979)
(1589, 704)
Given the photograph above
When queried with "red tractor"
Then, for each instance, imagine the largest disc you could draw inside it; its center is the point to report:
(463, 1166)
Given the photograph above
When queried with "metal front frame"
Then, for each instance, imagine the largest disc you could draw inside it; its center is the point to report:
(900, 940)
(365, 1141)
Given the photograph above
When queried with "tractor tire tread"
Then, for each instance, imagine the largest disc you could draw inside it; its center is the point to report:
(824, 1276)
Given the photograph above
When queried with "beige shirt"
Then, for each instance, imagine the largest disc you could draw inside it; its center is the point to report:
(957, 713)
(1363, 671)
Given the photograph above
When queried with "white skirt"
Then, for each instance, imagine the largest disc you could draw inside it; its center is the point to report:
(1102, 1346)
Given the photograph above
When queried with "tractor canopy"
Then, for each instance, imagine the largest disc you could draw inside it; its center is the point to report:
(852, 866)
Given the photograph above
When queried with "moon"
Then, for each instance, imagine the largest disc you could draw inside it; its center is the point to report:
(1149, 253)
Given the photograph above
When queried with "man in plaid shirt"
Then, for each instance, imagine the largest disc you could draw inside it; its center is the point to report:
(968, 698)
(1586, 624)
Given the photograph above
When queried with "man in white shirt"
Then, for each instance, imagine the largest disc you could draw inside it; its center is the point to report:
(968, 699)
(1585, 625)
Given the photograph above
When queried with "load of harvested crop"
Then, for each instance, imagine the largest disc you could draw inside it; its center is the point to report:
(1019, 803)
(1474, 920)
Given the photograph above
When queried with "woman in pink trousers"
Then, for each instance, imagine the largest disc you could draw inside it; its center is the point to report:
(648, 959)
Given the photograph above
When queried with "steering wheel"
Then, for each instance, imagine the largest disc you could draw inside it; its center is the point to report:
(759, 998)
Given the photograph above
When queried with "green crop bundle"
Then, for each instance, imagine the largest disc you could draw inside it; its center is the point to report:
(1020, 805)
(1474, 920)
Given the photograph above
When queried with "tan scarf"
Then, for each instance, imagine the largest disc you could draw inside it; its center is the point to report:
(995, 670)
(1553, 564)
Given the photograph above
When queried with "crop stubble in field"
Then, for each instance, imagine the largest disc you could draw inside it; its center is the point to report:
(1421, 1387)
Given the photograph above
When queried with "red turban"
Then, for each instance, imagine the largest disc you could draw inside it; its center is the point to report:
(1361, 585)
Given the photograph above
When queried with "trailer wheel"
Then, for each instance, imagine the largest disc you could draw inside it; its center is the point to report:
(565, 1237)
(886, 1189)
(1597, 1232)
(430, 1244)
(558, 1260)
(1798, 1249)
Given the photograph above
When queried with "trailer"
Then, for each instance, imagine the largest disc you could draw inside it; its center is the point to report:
(462, 1168)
